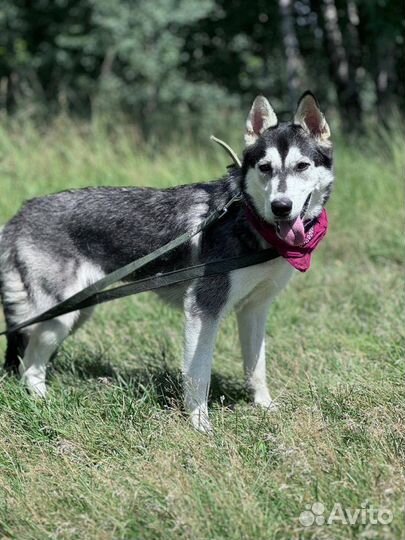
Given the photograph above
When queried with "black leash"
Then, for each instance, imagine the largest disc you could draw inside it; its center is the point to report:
(94, 293)
(152, 283)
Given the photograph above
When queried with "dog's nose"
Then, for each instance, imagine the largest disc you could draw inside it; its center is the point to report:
(281, 207)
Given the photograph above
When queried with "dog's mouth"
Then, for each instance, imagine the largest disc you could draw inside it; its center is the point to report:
(292, 231)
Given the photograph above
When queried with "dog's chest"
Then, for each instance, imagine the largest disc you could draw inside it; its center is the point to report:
(259, 283)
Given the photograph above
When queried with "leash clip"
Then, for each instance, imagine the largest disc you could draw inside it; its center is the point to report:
(224, 209)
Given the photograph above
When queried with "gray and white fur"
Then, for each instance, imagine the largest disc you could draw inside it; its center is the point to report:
(58, 244)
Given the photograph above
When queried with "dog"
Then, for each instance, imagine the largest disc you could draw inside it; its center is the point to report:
(58, 244)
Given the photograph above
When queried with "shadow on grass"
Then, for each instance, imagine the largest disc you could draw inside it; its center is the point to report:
(161, 381)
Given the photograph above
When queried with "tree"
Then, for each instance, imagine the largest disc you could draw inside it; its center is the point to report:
(295, 64)
(170, 65)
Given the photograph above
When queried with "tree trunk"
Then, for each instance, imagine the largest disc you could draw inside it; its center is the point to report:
(384, 78)
(341, 72)
(295, 64)
(11, 92)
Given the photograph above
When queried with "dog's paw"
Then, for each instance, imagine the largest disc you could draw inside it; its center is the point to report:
(200, 421)
(264, 401)
(34, 382)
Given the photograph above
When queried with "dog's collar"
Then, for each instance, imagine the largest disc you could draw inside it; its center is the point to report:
(298, 256)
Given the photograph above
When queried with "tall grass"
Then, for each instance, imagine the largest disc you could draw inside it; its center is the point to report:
(109, 454)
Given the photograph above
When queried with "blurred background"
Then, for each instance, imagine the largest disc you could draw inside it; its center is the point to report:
(192, 65)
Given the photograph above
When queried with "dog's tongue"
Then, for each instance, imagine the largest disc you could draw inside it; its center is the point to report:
(292, 232)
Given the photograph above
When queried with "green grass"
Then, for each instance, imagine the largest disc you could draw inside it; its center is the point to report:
(109, 455)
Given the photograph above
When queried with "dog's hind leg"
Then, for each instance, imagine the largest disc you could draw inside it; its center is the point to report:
(200, 334)
(16, 345)
(252, 332)
(43, 343)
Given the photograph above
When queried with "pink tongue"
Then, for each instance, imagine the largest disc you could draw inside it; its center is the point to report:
(292, 232)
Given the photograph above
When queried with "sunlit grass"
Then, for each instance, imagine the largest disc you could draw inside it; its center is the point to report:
(109, 454)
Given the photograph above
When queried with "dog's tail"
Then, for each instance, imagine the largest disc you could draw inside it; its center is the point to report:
(16, 342)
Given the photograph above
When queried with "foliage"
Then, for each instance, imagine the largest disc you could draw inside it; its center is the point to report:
(171, 63)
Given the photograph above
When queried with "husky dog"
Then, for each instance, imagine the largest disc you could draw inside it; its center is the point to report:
(59, 244)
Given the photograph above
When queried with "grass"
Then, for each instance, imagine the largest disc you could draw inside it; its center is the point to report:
(109, 454)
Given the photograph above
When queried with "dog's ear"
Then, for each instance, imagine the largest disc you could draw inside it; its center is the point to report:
(309, 116)
(261, 117)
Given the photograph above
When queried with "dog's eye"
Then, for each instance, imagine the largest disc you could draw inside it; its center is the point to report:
(302, 166)
(265, 168)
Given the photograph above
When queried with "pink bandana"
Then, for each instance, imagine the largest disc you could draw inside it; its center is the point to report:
(298, 256)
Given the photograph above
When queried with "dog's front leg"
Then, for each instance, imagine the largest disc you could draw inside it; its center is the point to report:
(252, 332)
(200, 334)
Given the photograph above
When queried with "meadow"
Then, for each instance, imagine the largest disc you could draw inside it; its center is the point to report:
(110, 455)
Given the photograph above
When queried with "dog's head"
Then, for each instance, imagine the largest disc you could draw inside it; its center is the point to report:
(287, 167)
